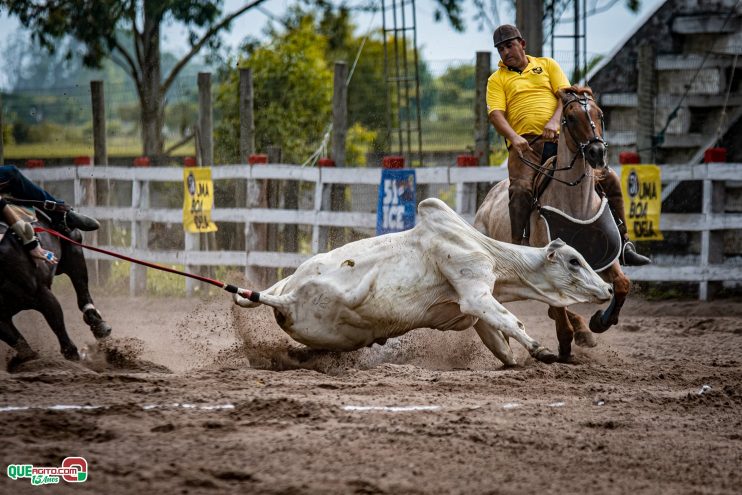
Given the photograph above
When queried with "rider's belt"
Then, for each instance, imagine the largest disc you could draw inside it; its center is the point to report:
(597, 239)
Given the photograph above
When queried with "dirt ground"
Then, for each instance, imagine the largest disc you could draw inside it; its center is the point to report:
(198, 396)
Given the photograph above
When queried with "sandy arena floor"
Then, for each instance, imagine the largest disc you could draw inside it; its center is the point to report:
(204, 397)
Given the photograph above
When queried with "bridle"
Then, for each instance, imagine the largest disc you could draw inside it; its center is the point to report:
(584, 101)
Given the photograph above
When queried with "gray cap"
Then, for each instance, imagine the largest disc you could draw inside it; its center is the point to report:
(504, 33)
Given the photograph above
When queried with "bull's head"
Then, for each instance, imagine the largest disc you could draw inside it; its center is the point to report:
(571, 278)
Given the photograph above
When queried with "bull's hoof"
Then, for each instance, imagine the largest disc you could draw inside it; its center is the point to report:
(585, 339)
(545, 355)
(596, 323)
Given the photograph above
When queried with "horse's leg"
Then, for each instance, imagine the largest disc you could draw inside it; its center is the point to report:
(603, 320)
(11, 336)
(47, 305)
(74, 266)
(583, 336)
(564, 331)
(495, 342)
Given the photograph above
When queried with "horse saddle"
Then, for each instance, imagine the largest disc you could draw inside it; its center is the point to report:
(597, 239)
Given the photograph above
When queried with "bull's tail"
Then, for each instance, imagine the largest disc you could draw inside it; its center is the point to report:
(270, 297)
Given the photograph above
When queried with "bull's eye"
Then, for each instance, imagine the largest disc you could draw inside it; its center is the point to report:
(574, 262)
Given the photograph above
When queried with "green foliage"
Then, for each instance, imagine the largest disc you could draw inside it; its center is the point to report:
(455, 86)
(292, 91)
(358, 142)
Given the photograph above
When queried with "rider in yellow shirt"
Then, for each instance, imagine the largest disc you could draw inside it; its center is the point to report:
(523, 106)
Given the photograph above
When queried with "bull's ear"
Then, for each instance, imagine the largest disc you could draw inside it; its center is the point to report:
(552, 247)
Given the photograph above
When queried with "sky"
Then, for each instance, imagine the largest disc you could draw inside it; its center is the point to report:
(439, 43)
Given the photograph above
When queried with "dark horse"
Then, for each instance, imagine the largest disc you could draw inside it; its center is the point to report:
(568, 185)
(26, 283)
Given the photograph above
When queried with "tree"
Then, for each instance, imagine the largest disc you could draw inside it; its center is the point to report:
(292, 93)
(488, 11)
(98, 25)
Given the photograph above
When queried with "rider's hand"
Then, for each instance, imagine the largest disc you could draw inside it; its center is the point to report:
(520, 144)
(551, 131)
(42, 254)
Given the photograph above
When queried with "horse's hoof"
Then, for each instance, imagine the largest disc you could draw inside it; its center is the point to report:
(585, 339)
(71, 353)
(545, 355)
(97, 324)
(101, 330)
(22, 355)
(565, 355)
(596, 323)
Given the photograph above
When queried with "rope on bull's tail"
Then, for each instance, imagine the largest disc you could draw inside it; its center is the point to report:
(233, 289)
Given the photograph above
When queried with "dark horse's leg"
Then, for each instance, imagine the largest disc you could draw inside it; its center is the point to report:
(603, 320)
(73, 264)
(564, 330)
(47, 305)
(11, 336)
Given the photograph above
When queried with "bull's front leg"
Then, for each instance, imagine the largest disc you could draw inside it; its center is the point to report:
(495, 342)
(475, 299)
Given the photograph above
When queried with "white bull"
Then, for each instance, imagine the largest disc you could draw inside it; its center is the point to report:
(442, 274)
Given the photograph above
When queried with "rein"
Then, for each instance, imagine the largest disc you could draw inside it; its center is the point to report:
(584, 101)
(233, 289)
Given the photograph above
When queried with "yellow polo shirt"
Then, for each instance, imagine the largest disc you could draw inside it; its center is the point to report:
(528, 98)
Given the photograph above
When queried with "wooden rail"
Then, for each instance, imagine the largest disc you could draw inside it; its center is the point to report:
(707, 267)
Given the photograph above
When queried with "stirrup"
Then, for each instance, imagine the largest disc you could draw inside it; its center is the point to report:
(629, 256)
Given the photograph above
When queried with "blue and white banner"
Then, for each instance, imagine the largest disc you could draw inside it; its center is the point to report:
(397, 201)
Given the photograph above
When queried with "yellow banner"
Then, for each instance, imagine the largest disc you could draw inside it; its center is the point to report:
(198, 200)
(642, 195)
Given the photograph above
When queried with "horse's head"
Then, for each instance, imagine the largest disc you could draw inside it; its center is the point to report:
(582, 125)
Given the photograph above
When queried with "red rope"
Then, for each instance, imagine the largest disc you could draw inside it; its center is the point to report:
(248, 294)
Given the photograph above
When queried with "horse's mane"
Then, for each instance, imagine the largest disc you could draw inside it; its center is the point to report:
(579, 90)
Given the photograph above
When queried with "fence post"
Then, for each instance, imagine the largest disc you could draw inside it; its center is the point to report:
(712, 241)
(205, 117)
(481, 121)
(100, 157)
(529, 15)
(339, 133)
(238, 242)
(255, 193)
(273, 200)
(139, 232)
(206, 149)
(645, 91)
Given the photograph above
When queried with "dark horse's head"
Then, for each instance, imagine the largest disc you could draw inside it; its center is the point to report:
(582, 120)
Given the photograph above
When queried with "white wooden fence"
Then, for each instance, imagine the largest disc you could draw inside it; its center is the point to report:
(699, 269)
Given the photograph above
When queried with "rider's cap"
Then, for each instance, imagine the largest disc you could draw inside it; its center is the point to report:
(504, 33)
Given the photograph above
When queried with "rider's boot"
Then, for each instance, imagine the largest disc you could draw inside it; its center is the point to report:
(71, 220)
(520, 213)
(612, 188)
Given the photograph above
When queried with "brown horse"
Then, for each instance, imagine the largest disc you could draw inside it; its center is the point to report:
(568, 184)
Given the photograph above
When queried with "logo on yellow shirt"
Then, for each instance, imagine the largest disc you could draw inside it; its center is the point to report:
(537, 70)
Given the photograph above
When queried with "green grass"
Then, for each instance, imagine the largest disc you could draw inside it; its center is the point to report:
(116, 148)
